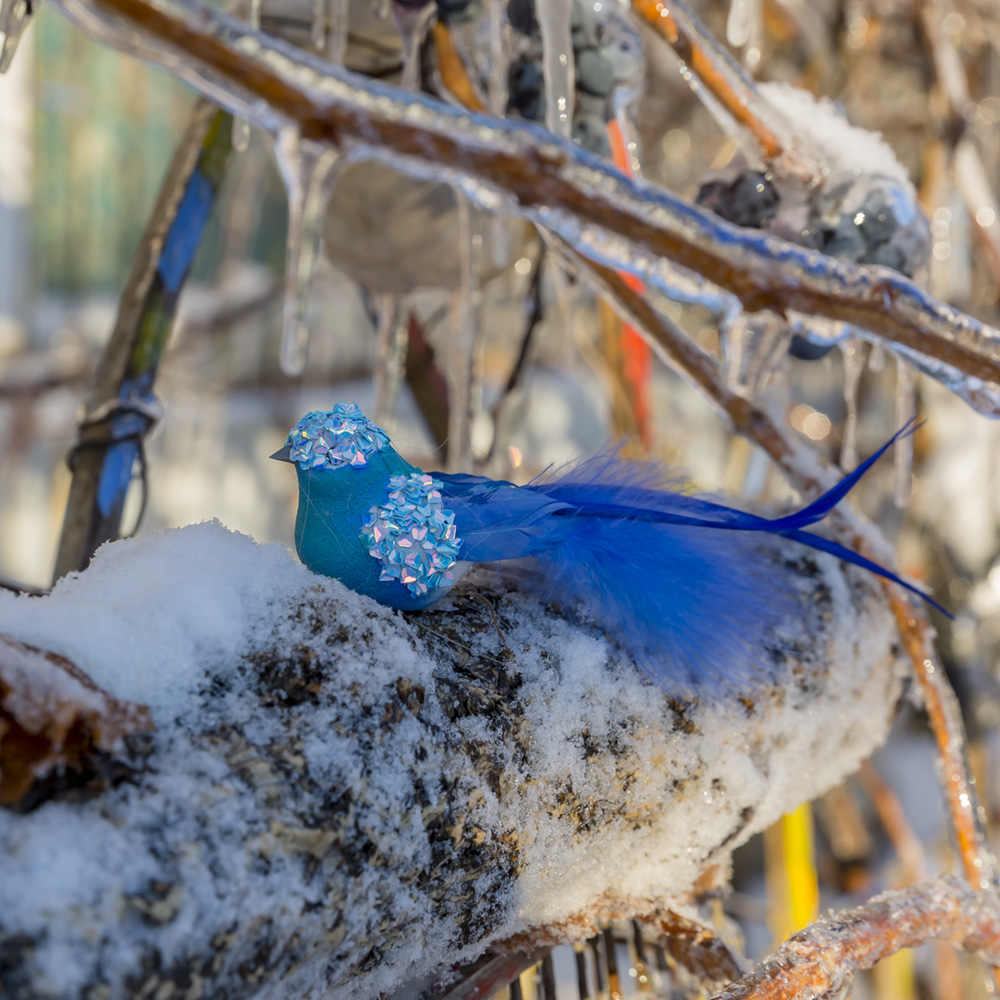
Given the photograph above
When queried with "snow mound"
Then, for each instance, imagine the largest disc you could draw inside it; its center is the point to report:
(340, 799)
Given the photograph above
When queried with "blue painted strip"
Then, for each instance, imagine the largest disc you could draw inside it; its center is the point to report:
(116, 474)
(184, 234)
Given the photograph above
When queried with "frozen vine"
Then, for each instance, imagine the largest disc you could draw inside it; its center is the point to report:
(624, 223)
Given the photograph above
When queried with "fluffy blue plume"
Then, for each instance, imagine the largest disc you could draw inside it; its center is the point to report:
(680, 577)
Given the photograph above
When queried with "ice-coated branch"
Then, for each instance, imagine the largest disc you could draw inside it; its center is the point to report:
(625, 223)
(822, 959)
(967, 815)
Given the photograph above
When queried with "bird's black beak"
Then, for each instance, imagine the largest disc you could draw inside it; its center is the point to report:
(282, 454)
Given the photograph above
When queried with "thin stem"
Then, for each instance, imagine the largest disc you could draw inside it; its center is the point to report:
(894, 822)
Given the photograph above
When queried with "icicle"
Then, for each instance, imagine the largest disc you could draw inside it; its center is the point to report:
(499, 58)
(241, 135)
(241, 127)
(906, 390)
(308, 174)
(876, 358)
(755, 43)
(336, 39)
(412, 27)
(743, 28)
(464, 329)
(500, 234)
(753, 345)
(390, 363)
(625, 102)
(854, 363)
(554, 19)
(317, 33)
(14, 17)
(738, 23)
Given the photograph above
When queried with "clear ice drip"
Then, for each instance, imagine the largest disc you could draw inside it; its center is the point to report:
(906, 392)
(738, 23)
(14, 17)
(390, 362)
(308, 172)
(854, 363)
(412, 27)
(317, 28)
(499, 58)
(241, 127)
(464, 328)
(558, 68)
(336, 39)
(744, 28)
(241, 135)
(753, 345)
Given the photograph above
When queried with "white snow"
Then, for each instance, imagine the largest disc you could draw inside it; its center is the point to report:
(845, 149)
(151, 615)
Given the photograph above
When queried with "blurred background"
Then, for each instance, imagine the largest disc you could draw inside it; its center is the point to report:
(410, 275)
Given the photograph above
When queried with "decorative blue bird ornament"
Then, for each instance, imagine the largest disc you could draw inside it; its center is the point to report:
(679, 577)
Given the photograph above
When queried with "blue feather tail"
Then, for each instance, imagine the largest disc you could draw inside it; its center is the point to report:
(683, 578)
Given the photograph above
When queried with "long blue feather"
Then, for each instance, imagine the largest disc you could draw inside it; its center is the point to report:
(679, 576)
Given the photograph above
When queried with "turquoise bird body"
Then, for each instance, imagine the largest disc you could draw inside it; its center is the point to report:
(680, 578)
(328, 525)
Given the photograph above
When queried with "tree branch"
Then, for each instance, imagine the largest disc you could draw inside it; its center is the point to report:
(621, 222)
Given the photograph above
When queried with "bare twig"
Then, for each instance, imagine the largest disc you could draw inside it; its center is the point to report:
(893, 819)
(824, 957)
(121, 407)
(617, 221)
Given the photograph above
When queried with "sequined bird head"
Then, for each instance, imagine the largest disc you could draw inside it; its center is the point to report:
(365, 515)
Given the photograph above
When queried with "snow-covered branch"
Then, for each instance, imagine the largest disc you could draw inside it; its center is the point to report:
(342, 799)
